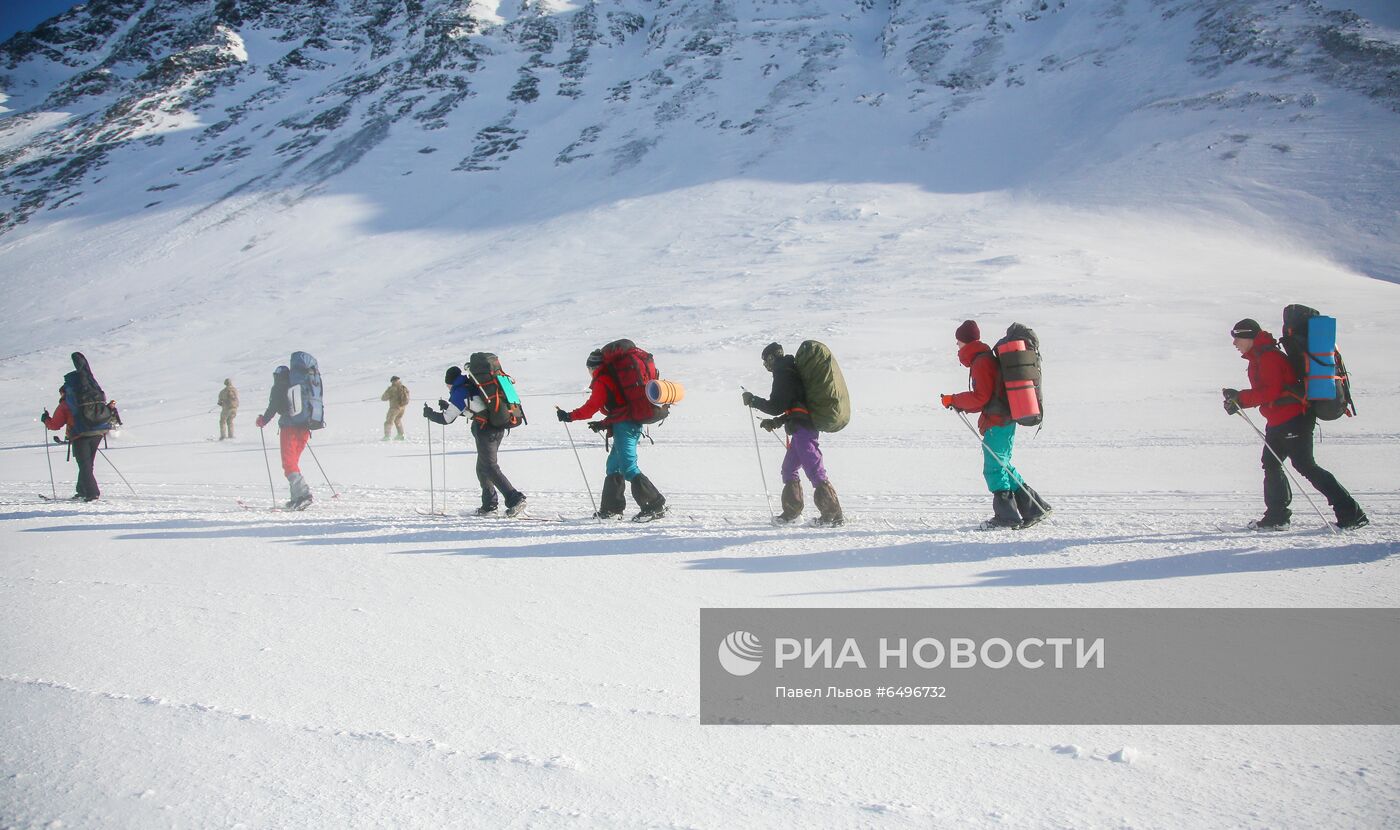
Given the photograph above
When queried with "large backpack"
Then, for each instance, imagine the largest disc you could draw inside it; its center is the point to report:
(91, 410)
(632, 368)
(1018, 354)
(828, 401)
(305, 406)
(1310, 343)
(503, 407)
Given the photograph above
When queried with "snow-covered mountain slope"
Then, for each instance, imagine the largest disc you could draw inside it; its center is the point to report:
(193, 190)
(176, 170)
(1284, 112)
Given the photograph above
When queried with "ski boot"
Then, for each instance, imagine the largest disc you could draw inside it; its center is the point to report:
(792, 503)
(1352, 519)
(1268, 522)
(513, 510)
(301, 493)
(484, 510)
(825, 497)
(614, 499)
(1004, 513)
(649, 499)
(1031, 506)
(1357, 521)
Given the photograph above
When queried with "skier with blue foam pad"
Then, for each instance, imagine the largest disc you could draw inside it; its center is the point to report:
(1322, 358)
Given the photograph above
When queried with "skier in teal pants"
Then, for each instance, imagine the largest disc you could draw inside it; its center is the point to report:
(1014, 504)
(622, 460)
(998, 441)
(605, 396)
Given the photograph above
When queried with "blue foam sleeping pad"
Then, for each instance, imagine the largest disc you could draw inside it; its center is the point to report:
(1322, 358)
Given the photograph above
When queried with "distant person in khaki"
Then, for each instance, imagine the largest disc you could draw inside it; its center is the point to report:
(228, 409)
(397, 396)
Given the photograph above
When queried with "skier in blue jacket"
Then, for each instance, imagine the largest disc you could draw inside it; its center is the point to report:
(464, 398)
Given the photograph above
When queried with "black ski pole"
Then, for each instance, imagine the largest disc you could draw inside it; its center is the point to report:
(49, 458)
(432, 493)
(263, 436)
(586, 485)
(118, 472)
(767, 496)
(1265, 439)
(1020, 485)
(334, 494)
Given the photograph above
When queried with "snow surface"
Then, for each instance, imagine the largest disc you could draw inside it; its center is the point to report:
(362, 665)
(169, 658)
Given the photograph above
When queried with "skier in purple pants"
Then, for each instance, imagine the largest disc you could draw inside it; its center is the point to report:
(785, 403)
(803, 453)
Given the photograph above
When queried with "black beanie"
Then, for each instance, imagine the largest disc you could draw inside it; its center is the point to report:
(772, 350)
(595, 359)
(1246, 328)
(453, 372)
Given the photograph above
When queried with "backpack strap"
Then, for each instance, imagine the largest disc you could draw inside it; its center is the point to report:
(996, 405)
(613, 397)
(1295, 392)
(1345, 381)
(484, 416)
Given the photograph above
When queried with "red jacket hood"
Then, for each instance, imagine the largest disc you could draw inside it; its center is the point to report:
(969, 352)
(1262, 341)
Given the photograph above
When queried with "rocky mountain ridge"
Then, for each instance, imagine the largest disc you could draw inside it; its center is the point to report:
(231, 97)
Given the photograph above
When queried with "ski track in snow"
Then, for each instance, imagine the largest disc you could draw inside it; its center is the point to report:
(891, 552)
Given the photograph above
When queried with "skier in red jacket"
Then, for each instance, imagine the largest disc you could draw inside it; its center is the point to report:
(85, 415)
(1014, 504)
(622, 467)
(84, 447)
(1289, 433)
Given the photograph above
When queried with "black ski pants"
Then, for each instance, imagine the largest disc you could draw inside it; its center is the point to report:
(1293, 442)
(85, 453)
(488, 469)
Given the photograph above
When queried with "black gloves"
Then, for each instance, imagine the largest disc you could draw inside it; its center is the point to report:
(769, 424)
(563, 416)
(435, 417)
(46, 415)
(598, 426)
(442, 405)
(1232, 400)
(748, 399)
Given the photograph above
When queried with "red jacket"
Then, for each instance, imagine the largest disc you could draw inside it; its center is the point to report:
(604, 395)
(61, 419)
(1270, 374)
(984, 378)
